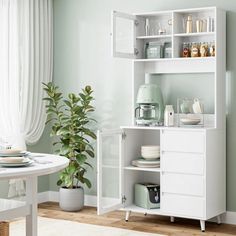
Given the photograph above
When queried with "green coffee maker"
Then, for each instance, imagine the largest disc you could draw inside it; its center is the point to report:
(150, 110)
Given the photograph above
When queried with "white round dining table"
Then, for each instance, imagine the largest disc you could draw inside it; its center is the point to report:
(43, 164)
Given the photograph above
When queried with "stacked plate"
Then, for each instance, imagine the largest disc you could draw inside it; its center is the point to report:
(150, 152)
(146, 163)
(14, 158)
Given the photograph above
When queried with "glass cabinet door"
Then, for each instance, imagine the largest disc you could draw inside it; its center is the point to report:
(110, 175)
(123, 35)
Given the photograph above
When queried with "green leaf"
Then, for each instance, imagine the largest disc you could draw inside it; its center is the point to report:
(90, 153)
(90, 133)
(59, 182)
(81, 158)
(86, 163)
(87, 182)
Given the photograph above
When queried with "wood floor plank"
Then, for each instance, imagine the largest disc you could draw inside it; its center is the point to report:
(139, 222)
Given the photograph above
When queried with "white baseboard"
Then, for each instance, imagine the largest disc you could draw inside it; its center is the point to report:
(53, 196)
(89, 200)
(229, 218)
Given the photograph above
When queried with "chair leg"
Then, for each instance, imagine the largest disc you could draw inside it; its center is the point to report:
(218, 219)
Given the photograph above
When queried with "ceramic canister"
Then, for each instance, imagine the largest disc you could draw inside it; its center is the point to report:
(169, 116)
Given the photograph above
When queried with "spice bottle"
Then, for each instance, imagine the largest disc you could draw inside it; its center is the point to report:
(186, 50)
(212, 49)
(204, 50)
(194, 50)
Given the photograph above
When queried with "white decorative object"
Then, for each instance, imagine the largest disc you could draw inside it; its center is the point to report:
(71, 199)
(169, 116)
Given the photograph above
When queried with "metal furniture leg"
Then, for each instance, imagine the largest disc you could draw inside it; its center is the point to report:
(127, 215)
(202, 223)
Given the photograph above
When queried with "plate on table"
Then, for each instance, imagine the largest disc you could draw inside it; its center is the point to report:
(20, 164)
(6, 153)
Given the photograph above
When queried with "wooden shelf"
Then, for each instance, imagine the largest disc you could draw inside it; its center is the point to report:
(142, 169)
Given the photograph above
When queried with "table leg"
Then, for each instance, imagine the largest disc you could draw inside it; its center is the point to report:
(31, 199)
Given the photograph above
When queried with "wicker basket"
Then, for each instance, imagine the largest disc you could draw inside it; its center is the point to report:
(4, 228)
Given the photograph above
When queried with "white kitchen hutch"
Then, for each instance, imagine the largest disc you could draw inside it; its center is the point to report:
(192, 173)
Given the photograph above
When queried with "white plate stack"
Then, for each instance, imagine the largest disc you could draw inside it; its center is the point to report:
(14, 158)
(150, 157)
(150, 152)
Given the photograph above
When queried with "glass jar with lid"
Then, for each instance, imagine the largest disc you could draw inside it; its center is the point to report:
(212, 49)
(195, 50)
(153, 50)
(186, 50)
(204, 49)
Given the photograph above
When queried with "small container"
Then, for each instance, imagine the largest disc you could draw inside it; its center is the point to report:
(199, 26)
(189, 25)
(186, 50)
(169, 116)
(212, 49)
(195, 50)
(167, 50)
(153, 50)
(203, 49)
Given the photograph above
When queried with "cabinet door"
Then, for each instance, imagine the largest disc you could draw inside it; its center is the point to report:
(123, 35)
(110, 170)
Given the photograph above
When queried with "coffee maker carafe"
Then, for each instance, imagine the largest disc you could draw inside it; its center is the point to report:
(150, 105)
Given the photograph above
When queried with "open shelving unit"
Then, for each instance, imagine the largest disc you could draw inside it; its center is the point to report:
(192, 159)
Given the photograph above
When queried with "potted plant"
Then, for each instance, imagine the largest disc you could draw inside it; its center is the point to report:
(70, 118)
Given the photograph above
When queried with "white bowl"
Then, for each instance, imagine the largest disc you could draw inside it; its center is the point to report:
(149, 147)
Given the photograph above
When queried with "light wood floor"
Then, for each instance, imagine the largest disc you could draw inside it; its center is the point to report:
(139, 222)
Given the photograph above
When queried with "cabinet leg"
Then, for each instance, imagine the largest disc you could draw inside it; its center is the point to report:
(127, 215)
(172, 219)
(145, 214)
(218, 219)
(202, 224)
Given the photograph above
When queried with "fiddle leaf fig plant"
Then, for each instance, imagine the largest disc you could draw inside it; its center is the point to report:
(70, 119)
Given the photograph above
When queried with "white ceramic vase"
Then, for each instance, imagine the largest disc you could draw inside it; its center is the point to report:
(71, 199)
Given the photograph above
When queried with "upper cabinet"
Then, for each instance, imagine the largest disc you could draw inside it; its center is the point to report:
(168, 35)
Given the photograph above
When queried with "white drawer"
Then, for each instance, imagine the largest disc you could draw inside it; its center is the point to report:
(183, 184)
(188, 163)
(183, 141)
(177, 205)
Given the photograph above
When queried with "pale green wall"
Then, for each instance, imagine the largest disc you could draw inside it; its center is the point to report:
(82, 56)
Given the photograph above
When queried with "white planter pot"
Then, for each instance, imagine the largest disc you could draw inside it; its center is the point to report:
(71, 199)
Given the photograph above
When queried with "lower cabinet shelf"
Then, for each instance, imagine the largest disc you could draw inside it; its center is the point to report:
(134, 208)
(142, 169)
